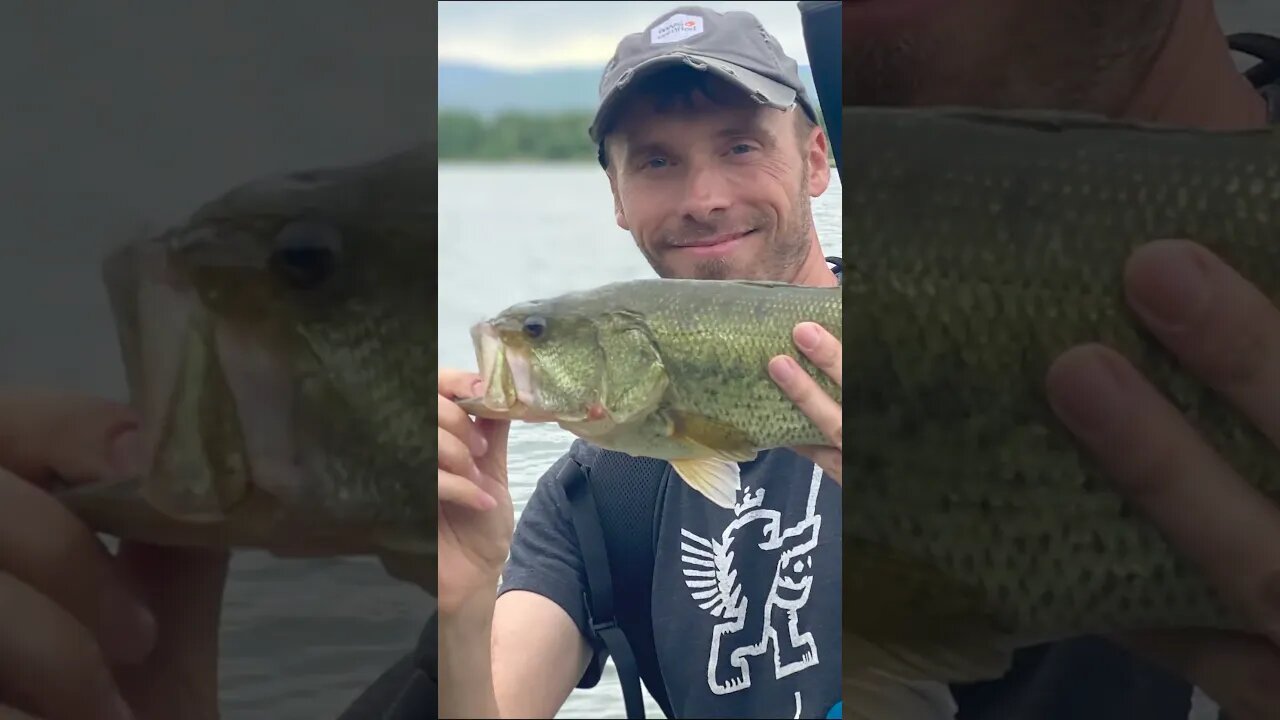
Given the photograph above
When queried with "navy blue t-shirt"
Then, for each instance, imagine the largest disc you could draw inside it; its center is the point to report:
(746, 601)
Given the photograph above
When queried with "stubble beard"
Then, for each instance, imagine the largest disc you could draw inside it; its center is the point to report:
(777, 260)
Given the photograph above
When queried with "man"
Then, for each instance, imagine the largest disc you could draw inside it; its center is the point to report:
(1155, 60)
(710, 145)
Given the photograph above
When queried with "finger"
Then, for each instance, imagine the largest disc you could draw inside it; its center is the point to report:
(1156, 458)
(454, 456)
(49, 662)
(184, 589)
(458, 423)
(1221, 327)
(48, 436)
(47, 547)
(809, 397)
(463, 491)
(454, 384)
(829, 459)
(1240, 673)
(493, 462)
(822, 348)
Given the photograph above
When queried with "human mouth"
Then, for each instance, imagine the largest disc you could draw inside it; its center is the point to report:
(713, 245)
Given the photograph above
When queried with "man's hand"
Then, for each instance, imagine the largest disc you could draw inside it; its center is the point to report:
(85, 633)
(1227, 332)
(476, 514)
(824, 350)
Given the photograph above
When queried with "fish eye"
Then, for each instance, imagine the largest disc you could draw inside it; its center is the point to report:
(534, 326)
(306, 253)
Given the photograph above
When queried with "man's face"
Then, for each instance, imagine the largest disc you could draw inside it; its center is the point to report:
(1068, 54)
(716, 192)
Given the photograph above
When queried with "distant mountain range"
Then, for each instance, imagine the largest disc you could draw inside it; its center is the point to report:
(487, 91)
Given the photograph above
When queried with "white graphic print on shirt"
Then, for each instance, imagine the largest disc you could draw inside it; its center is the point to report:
(751, 626)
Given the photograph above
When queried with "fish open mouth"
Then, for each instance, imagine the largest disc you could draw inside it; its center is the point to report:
(510, 393)
(215, 404)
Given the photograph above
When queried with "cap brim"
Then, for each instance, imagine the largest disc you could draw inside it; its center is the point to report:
(763, 90)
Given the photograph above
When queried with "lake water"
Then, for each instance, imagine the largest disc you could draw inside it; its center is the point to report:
(517, 232)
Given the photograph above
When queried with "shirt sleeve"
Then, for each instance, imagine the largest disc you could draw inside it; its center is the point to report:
(546, 559)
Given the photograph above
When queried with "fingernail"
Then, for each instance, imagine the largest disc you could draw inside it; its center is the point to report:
(478, 444)
(477, 388)
(1087, 390)
(807, 336)
(487, 502)
(1169, 284)
(782, 369)
(126, 453)
(128, 628)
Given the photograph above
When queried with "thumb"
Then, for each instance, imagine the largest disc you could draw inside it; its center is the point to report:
(183, 587)
(494, 461)
(48, 436)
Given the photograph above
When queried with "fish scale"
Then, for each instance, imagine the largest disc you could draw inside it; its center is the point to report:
(979, 246)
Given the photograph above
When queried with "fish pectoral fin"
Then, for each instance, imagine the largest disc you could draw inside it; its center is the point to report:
(716, 479)
(718, 448)
(872, 694)
(971, 659)
(713, 437)
(908, 619)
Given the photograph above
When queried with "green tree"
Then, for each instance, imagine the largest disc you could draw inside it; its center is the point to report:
(515, 136)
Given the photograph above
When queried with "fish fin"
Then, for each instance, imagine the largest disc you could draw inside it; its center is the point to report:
(717, 480)
(972, 660)
(871, 694)
(719, 448)
(909, 620)
(718, 439)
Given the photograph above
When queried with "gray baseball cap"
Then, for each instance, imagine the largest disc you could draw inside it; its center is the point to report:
(733, 46)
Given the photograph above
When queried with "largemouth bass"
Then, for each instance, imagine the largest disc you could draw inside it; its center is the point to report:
(280, 348)
(979, 247)
(669, 369)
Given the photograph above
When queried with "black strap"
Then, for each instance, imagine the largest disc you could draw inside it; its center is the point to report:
(420, 697)
(822, 27)
(1264, 47)
(599, 597)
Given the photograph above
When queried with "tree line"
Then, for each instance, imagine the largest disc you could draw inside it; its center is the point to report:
(518, 136)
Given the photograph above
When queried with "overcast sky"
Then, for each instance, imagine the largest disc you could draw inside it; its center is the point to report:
(527, 35)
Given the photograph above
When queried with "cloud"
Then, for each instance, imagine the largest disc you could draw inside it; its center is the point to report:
(528, 35)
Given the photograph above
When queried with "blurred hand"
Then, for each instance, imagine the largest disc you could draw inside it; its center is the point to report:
(825, 351)
(477, 518)
(84, 633)
(1227, 332)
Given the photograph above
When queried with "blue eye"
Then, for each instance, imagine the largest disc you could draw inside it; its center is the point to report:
(651, 162)
(741, 148)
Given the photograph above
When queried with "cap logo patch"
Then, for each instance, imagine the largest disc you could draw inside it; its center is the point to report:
(677, 27)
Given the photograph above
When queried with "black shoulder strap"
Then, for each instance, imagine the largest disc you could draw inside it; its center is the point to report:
(1264, 47)
(616, 530)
